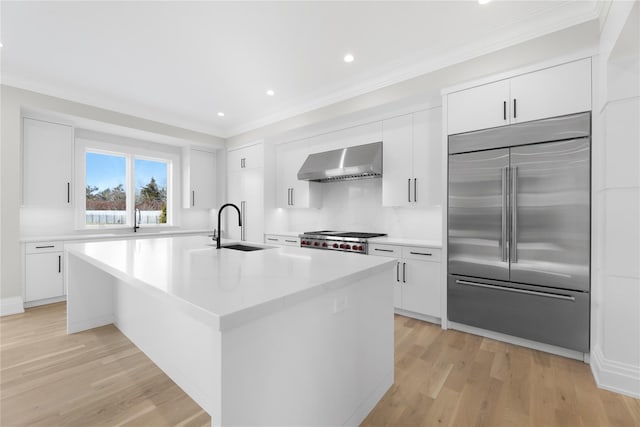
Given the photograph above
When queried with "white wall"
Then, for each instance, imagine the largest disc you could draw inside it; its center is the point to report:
(357, 206)
(615, 343)
(13, 103)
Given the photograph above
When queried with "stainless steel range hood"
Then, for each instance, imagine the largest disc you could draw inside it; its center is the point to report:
(358, 162)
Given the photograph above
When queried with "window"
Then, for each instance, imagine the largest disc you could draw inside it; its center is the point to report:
(121, 181)
(106, 189)
(151, 191)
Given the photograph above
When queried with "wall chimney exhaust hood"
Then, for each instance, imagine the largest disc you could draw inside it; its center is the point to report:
(358, 162)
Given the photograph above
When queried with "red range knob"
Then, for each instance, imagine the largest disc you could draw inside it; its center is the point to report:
(335, 245)
(315, 243)
(361, 248)
(324, 244)
(341, 245)
(347, 246)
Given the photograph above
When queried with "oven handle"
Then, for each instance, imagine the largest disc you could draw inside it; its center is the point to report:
(518, 291)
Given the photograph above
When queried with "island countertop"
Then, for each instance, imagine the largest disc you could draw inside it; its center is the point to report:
(229, 286)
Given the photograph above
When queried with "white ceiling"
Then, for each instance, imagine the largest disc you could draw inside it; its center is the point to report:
(181, 63)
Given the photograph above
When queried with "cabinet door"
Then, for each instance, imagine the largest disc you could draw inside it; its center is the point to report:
(248, 157)
(202, 177)
(43, 276)
(284, 177)
(253, 206)
(235, 195)
(552, 92)
(421, 287)
(480, 107)
(47, 163)
(235, 160)
(397, 140)
(427, 161)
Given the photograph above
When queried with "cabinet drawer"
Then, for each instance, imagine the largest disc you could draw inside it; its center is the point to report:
(281, 240)
(552, 316)
(42, 247)
(422, 254)
(385, 250)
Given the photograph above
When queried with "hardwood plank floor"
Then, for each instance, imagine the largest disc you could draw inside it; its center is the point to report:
(442, 378)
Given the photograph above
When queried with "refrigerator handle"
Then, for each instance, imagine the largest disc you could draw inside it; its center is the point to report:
(409, 190)
(505, 201)
(514, 214)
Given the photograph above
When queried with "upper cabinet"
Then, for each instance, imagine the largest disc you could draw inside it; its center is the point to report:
(199, 179)
(290, 191)
(250, 157)
(554, 91)
(47, 163)
(411, 159)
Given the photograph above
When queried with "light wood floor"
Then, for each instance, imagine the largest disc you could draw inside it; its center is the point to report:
(98, 378)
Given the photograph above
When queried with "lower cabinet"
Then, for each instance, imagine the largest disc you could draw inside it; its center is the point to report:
(281, 240)
(417, 280)
(44, 278)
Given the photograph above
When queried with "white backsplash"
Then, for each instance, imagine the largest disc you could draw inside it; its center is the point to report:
(357, 206)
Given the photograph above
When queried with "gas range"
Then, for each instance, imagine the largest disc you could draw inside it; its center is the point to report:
(345, 241)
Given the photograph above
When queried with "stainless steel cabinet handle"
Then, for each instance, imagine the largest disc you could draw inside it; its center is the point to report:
(415, 189)
(504, 110)
(515, 113)
(404, 272)
(193, 197)
(409, 189)
(59, 263)
(383, 250)
(505, 201)
(420, 253)
(289, 196)
(291, 241)
(514, 214)
(293, 197)
(45, 247)
(397, 271)
(272, 239)
(68, 192)
(517, 291)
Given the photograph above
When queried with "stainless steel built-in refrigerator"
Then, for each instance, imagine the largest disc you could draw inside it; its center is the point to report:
(519, 230)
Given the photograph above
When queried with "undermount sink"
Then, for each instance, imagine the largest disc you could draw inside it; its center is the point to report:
(244, 248)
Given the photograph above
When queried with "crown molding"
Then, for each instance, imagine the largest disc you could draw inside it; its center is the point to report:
(146, 112)
(406, 71)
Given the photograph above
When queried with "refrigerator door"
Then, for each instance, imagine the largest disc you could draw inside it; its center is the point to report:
(478, 215)
(550, 219)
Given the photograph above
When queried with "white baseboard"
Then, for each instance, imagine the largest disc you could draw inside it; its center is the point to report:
(535, 345)
(45, 301)
(11, 305)
(96, 322)
(419, 316)
(615, 376)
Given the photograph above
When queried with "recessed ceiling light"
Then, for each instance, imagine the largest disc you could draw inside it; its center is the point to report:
(220, 114)
(270, 92)
(348, 58)
(483, 1)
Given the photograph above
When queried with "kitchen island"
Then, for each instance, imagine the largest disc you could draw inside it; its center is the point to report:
(279, 336)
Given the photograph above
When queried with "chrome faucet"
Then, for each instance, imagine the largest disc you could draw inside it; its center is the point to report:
(135, 223)
(219, 214)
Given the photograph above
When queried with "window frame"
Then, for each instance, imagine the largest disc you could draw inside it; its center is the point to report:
(130, 153)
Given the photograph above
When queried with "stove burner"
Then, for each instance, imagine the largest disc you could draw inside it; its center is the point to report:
(351, 241)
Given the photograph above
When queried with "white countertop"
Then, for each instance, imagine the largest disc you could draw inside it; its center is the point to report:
(232, 286)
(111, 235)
(401, 241)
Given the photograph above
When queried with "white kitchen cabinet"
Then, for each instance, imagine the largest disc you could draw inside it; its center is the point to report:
(245, 189)
(417, 281)
(291, 192)
(199, 179)
(281, 240)
(411, 159)
(249, 157)
(480, 107)
(43, 271)
(555, 91)
(551, 92)
(47, 163)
